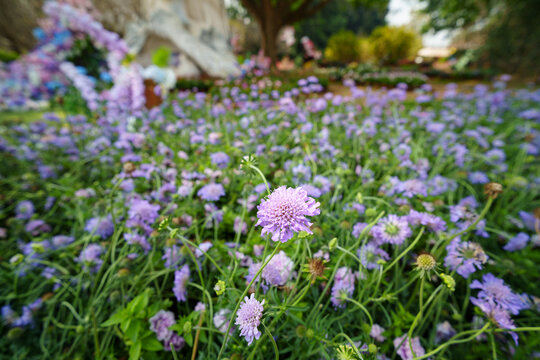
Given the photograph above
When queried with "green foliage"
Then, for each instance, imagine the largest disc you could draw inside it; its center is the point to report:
(133, 323)
(161, 56)
(513, 41)
(340, 15)
(391, 44)
(85, 54)
(7, 55)
(344, 47)
(509, 30)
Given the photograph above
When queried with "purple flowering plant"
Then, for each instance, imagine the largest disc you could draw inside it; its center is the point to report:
(128, 232)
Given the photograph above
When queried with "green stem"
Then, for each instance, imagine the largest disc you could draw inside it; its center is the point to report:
(493, 346)
(276, 351)
(363, 308)
(451, 342)
(242, 298)
(470, 227)
(409, 248)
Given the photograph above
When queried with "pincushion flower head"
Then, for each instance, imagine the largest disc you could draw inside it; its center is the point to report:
(249, 317)
(284, 212)
(391, 229)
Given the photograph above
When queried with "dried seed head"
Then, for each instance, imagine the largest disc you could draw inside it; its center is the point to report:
(129, 167)
(316, 267)
(493, 189)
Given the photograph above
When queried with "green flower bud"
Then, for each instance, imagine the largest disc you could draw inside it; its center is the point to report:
(219, 288)
(37, 247)
(370, 212)
(187, 327)
(372, 348)
(448, 281)
(14, 333)
(16, 259)
(332, 244)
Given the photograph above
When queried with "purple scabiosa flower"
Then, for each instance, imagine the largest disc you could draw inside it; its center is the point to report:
(343, 286)
(464, 257)
(478, 177)
(411, 188)
(160, 324)
(498, 314)
(220, 159)
(518, 242)
(200, 306)
(8, 314)
(137, 239)
(203, 248)
(284, 212)
(181, 277)
(221, 321)
(24, 210)
(278, 270)
(433, 222)
(404, 350)
(89, 257)
(211, 192)
(214, 215)
(391, 229)
(376, 333)
(402, 152)
(101, 226)
(172, 256)
(36, 227)
(370, 254)
(142, 214)
(444, 332)
(185, 189)
(494, 290)
(358, 228)
(529, 220)
(61, 241)
(176, 341)
(249, 317)
(240, 225)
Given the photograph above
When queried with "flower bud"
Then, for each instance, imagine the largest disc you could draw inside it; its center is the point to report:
(332, 244)
(219, 288)
(16, 259)
(370, 212)
(448, 281)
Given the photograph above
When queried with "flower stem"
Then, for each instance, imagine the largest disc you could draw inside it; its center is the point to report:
(454, 340)
(242, 297)
(276, 351)
(405, 252)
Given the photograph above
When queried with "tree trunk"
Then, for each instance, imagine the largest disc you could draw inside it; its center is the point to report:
(269, 45)
(270, 26)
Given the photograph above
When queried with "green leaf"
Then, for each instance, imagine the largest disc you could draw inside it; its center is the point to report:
(125, 324)
(135, 351)
(189, 339)
(115, 318)
(139, 304)
(132, 331)
(152, 344)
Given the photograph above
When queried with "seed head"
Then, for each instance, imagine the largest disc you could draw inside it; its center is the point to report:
(493, 189)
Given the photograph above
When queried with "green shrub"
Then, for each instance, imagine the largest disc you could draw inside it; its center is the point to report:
(8, 55)
(161, 56)
(343, 47)
(391, 44)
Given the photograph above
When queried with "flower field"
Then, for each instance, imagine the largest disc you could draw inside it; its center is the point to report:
(285, 224)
